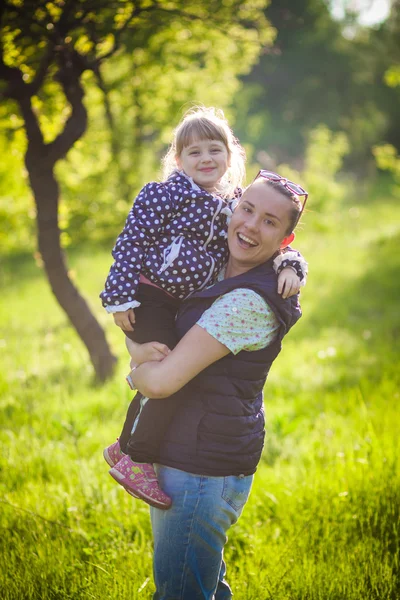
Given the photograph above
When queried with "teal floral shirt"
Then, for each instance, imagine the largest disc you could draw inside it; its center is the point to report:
(241, 320)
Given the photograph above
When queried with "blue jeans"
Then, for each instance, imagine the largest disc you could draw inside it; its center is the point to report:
(189, 538)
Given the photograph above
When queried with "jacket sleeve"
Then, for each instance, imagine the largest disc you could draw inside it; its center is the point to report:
(294, 259)
(152, 208)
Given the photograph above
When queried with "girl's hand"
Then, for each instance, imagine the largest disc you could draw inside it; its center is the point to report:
(125, 319)
(288, 282)
(140, 353)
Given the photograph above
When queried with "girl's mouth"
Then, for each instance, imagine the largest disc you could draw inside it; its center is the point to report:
(245, 241)
(207, 170)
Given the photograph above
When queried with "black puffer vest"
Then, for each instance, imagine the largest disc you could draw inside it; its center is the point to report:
(219, 427)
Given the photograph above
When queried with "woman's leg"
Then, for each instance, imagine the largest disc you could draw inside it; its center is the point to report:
(190, 537)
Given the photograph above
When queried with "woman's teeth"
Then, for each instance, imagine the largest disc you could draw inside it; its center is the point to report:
(243, 238)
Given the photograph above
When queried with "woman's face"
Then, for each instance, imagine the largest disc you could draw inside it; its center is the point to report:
(258, 226)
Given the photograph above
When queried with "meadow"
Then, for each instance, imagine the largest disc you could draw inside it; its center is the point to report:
(322, 522)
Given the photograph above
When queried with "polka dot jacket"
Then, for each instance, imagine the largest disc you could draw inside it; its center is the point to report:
(175, 235)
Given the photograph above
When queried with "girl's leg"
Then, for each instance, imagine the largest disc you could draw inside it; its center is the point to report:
(129, 421)
(190, 537)
(155, 322)
(155, 417)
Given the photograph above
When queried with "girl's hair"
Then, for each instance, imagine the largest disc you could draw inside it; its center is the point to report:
(201, 123)
(297, 207)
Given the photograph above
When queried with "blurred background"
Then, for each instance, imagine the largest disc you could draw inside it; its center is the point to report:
(90, 94)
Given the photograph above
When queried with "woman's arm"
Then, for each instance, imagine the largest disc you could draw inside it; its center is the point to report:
(239, 320)
(196, 351)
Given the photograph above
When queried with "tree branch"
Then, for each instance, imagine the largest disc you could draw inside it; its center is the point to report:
(136, 11)
(71, 67)
(18, 90)
(42, 71)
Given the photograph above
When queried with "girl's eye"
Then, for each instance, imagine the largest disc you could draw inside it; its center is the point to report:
(246, 209)
(269, 222)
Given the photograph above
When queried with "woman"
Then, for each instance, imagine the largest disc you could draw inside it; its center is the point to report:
(230, 335)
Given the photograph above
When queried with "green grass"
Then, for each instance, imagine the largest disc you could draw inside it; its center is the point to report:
(323, 518)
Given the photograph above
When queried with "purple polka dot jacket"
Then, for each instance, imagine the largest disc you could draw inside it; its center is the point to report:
(175, 236)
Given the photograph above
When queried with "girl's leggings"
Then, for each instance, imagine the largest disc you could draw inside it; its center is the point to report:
(155, 322)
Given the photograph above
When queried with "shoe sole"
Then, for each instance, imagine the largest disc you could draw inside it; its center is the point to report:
(108, 458)
(138, 494)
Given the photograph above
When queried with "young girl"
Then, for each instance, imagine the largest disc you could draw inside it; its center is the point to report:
(174, 244)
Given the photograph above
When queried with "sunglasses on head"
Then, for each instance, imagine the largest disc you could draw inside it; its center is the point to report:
(295, 188)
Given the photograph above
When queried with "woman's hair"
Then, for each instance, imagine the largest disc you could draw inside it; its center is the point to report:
(297, 207)
(201, 123)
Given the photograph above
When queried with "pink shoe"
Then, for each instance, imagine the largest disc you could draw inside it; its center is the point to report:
(113, 454)
(140, 480)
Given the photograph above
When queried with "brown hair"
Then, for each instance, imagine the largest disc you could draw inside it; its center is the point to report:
(201, 123)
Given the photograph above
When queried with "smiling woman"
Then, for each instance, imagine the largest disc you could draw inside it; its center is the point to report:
(229, 336)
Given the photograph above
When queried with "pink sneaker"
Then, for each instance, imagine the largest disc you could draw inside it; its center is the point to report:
(140, 480)
(113, 454)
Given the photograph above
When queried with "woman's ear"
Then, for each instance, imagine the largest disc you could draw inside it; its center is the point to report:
(287, 240)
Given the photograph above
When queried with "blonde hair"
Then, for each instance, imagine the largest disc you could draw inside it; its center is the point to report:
(202, 123)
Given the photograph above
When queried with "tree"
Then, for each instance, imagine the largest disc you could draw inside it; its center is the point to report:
(315, 73)
(47, 48)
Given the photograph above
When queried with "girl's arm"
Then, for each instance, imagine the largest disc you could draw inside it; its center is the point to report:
(196, 351)
(289, 257)
(292, 270)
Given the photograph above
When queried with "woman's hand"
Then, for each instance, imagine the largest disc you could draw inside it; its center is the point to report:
(195, 351)
(125, 319)
(288, 282)
(141, 353)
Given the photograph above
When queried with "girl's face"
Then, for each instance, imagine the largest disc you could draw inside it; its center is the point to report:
(258, 226)
(205, 161)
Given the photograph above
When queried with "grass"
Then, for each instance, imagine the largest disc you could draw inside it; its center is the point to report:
(323, 518)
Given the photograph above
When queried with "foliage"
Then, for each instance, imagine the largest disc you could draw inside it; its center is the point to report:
(319, 170)
(323, 161)
(323, 518)
(17, 213)
(46, 50)
(315, 74)
(387, 159)
(141, 64)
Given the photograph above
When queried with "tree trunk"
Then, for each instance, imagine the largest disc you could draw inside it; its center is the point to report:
(46, 193)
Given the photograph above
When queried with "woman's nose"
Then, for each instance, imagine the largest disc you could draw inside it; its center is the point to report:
(252, 223)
